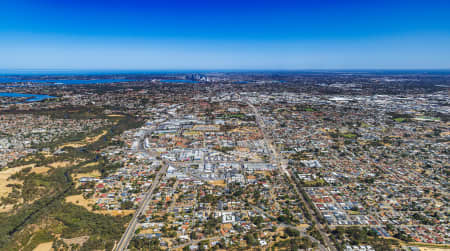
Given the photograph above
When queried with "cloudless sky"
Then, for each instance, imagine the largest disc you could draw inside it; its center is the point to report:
(224, 34)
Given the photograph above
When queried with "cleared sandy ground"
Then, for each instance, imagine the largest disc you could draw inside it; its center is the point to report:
(90, 164)
(433, 249)
(87, 203)
(6, 208)
(46, 246)
(81, 201)
(85, 141)
(93, 174)
(116, 116)
(217, 183)
(40, 170)
(77, 240)
(60, 164)
(115, 212)
(5, 174)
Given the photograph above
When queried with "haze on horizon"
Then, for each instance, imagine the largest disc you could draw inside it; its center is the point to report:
(171, 35)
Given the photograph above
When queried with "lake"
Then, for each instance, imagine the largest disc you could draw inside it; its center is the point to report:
(30, 97)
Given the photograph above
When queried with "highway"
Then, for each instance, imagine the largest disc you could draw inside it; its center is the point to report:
(129, 232)
(321, 227)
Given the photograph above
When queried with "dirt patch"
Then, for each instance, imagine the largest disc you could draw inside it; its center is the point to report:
(87, 203)
(60, 164)
(146, 231)
(433, 249)
(46, 246)
(303, 226)
(40, 170)
(90, 164)
(93, 174)
(81, 201)
(5, 174)
(217, 183)
(84, 142)
(77, 240)
(6, 208)
(115, 212)
(46, 154)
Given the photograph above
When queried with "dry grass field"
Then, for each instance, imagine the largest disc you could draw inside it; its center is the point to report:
(46, 246)
(5, 174)
(84, 142)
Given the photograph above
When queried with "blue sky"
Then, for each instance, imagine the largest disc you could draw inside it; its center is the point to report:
(163, 35)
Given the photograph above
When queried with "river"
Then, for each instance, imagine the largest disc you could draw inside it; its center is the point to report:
(30, 97)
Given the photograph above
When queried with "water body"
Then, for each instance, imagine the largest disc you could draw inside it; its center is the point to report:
(7, 80)
(63, 81)
(178, 81)
(30, 97)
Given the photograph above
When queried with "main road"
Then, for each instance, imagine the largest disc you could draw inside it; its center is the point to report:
(276, 159)
(273, 152)
(129, 232)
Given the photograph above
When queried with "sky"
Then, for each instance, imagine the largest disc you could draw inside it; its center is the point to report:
(224, 34)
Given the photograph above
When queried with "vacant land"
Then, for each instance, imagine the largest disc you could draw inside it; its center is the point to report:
(47, 246)
(84, 142)
(40, 170)
(433, 249)
(116, 116)
(93, 174)
(60, 164)
(87, 203)
(80, 201)
(5, 174)
(115, 212)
